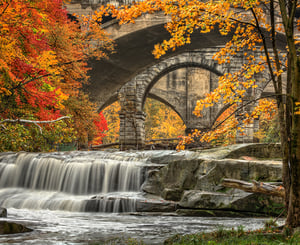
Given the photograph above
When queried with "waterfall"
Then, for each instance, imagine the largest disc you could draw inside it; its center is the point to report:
(74, 181)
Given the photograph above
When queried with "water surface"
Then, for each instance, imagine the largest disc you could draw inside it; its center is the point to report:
(62, 227)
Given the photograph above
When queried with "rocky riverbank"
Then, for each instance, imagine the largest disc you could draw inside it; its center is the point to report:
(190, 183)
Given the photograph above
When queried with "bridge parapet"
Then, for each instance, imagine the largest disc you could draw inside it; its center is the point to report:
(86, 7)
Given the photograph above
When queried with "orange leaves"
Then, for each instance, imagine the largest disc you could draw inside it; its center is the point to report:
(223, 131)
(161, 121)
(111, 114)
(297, 108)
(43, 59)
(186, 17)
(97, 42)
(266, 112)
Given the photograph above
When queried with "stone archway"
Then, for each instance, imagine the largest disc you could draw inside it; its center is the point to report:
(132, 95)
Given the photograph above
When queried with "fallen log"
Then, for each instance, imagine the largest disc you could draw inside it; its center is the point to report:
(254, 187)
(104, 145)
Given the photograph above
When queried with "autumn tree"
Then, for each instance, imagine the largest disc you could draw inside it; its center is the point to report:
(162, 121)
(254, 27)
(111, 114)
(43, 63)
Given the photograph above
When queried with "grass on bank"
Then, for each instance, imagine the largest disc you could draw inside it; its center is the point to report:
(267, 236)
(270, 235)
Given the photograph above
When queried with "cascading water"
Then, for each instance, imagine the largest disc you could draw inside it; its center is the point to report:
(75, 181)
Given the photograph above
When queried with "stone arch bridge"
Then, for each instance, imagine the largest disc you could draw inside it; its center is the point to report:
(132, 74)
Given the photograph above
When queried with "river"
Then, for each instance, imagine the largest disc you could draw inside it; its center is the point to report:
(62, 227)
(91, 198)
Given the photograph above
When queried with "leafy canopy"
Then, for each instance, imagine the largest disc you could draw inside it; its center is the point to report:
(43, 56)
(252, 28)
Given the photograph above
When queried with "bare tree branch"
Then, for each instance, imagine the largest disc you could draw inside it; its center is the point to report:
(3, 11)
(31, 121)
(240, 108)
(36, 123)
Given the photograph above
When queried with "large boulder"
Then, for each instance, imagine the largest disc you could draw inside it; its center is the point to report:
(174, 178)
(238, 202)
(12, 227)
(193, 178)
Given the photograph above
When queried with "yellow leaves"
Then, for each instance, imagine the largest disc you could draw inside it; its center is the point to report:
(48, 61)
(5, 91)
(278, 73)
(185, 140)
(162, 121)
(224, 130)
(158, 51)
(297, 108)
(61, 97)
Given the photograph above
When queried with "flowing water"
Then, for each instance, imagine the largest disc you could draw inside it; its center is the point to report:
(61, 227)
(83, 197)
(75, 181)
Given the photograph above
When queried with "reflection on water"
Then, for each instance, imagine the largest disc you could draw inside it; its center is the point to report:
(59, 227)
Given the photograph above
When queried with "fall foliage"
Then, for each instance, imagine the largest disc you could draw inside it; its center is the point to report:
(43, 58)
(111, 114)
(161, 121)
(253, 26)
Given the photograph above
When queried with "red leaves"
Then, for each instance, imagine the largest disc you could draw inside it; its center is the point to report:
(101, 127)
(43, 63)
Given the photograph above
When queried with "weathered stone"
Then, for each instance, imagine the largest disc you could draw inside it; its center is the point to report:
(217, 213)
(259, 203)
(3, 212)
(155, 206)
(193, 173)
(194, 179)
(153, 184)
(240, 202)
(11, 228)
(205, 200)
(268, 151)
(172, 194)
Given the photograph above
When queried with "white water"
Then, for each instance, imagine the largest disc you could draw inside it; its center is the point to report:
(76, 181)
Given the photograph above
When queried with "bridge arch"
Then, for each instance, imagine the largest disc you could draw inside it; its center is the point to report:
(134, 43)
(133, 94)
(162, 100)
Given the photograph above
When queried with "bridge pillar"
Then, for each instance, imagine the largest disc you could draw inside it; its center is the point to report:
(132, 118)
(132, 130)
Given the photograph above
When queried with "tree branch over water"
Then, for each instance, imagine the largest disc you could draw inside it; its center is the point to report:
(36, 123)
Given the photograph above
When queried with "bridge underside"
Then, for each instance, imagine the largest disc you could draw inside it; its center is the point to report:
(132, 56)
(132, 72)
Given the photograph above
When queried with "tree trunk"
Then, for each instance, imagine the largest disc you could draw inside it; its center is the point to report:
(293, 216)
(254, 187)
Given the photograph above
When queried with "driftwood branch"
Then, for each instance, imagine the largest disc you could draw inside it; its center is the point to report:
(36, 123)
(31, 121)
(254, 187)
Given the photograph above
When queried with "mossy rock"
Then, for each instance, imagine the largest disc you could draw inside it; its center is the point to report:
(217, 213)
(3, 212)
(11, 228)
